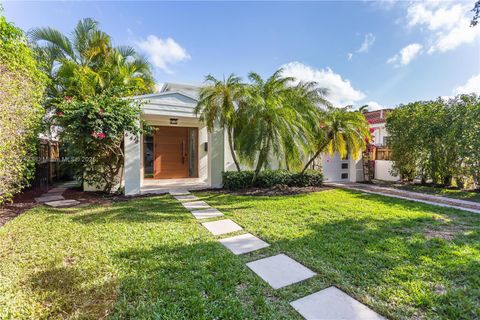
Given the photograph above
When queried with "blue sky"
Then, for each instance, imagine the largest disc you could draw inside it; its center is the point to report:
(382, 53)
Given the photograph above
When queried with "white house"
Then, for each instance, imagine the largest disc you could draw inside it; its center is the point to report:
(182, 153)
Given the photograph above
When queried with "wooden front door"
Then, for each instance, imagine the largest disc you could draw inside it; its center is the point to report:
(171, 153)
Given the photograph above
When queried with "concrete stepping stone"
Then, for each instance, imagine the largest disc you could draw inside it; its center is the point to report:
(280, 271)
(206, 213)
(62, 203)
(187, 197)
(57, 190)
(243, 243)
(333, 303)
(47, 197)
(195, 205)
(222, 226)
(179, 192)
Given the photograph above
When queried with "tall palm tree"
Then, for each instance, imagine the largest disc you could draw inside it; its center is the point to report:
(275, 119)
(342, 131)
(85, 63)
(218, 103)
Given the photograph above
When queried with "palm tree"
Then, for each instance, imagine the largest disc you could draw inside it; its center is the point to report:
(86, 63)
(218, 103)
(342, 131)
(274, 119)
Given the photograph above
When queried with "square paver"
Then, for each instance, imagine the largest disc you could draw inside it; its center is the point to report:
(221, 226)
(243, 243)
(47, 198)
(195, 205)
(333, 303)
(62, 203)
(206, 213)
(186, 197)
(280, 270)
(179, 192)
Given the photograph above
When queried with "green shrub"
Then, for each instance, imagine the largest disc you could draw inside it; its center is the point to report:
(234, 180)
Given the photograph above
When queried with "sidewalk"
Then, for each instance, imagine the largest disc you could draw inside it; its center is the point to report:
(410, 195)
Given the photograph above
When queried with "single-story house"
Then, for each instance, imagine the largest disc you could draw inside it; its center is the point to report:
(182, 153)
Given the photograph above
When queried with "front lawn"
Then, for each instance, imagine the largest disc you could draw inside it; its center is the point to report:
(149, 258)
(451, 193)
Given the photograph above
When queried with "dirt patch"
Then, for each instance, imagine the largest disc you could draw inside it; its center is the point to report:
(447, 232)
(21, 203)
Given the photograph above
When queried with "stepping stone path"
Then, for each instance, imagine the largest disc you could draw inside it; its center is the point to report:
(222, 226)
(206, 213)
(280, 270)
(62, 203)
(54, 198)
(243, 243)
(46, 198)
(332, 303)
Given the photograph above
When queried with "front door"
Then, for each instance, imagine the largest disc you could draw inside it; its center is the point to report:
(171, 153)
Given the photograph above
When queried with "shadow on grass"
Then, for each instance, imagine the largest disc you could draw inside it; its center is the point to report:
(69, 291)
(144, 210)
(202, 280)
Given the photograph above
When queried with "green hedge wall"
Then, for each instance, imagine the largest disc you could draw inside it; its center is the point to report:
(234, 180)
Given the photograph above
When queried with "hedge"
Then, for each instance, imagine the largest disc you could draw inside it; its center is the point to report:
(234, 180)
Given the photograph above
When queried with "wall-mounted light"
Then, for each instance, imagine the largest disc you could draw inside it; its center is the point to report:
(173, 121)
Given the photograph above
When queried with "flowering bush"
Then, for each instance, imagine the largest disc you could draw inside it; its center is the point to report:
(93, 134)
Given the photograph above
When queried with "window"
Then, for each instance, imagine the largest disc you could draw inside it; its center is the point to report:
(344, 175)
(386, 141)
(148, 156)
(344, 165)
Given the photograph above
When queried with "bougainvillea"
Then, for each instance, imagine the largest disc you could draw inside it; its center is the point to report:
(22, 87)
(93, 133)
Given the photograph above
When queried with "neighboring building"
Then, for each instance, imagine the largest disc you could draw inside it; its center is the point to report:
(380, 152)
(182, 152)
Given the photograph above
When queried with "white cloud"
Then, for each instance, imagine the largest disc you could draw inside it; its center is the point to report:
(373, 105)
(448, 23)
(472, 86)
(163, 52)
(349, 56)
(406, 55)
(340, 91)
(367, 43)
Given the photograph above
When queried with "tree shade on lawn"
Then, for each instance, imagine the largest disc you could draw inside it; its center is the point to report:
(149, 257)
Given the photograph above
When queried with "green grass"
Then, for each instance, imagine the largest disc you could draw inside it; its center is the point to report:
(150, 259)
(450, 193)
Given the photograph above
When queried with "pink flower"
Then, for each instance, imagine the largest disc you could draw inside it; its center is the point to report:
(94, 134)
(101, 135)
(68, 98)
(372, 130)
(60, 113)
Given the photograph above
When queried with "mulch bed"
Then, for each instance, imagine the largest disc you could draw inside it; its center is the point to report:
(21, 202)
(279, 190)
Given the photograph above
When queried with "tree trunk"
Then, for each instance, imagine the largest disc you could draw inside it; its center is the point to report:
(261, 159)
(230, 143)
(311, 160)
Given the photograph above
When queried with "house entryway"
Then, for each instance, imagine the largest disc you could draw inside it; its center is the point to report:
(171, 153)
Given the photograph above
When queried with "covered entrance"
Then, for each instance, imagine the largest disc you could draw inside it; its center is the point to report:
(171, 153)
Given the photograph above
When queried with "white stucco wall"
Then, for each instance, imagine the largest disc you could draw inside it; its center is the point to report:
(382, 170)
(379, 134)
(333, 170)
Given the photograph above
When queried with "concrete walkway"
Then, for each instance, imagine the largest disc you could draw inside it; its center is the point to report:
(410, 195)
(278, 271)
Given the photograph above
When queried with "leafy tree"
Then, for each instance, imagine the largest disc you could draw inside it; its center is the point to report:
(87, 64)
(436, 140)
(218, 104)
(93, 132)
(340, 130)
(275, 120)
(476, 14)
(22, 87)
